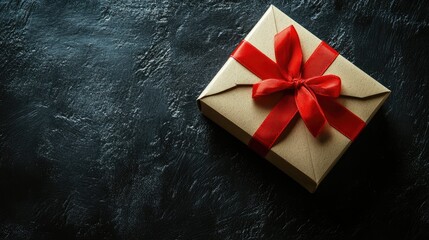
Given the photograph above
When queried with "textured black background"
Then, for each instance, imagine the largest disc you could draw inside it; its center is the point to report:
(101, 138)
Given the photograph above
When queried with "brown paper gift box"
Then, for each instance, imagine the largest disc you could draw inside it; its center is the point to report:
(227, 101)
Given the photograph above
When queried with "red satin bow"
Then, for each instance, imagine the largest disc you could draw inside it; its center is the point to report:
(313, 93)
(289, 61)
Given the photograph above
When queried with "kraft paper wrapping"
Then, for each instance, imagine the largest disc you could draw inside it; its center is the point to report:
(227, 101)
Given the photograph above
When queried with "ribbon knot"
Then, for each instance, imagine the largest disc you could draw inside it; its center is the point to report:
(297, 82)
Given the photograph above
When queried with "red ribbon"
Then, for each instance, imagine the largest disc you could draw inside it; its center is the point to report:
(306, 89)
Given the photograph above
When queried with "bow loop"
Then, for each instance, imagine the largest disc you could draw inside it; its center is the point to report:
(270, 86)
(288, 53)
(327, 85)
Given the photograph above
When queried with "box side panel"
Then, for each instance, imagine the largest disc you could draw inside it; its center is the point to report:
(244, 137)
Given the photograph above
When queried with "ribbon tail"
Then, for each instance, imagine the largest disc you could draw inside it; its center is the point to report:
(310, 111)
(341, 118)
(273, 125)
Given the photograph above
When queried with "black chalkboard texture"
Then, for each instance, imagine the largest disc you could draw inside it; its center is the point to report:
(101, 138)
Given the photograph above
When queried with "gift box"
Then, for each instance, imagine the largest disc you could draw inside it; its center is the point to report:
(291, 98)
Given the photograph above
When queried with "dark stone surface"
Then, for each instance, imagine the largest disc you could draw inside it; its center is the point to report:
(100, 136)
